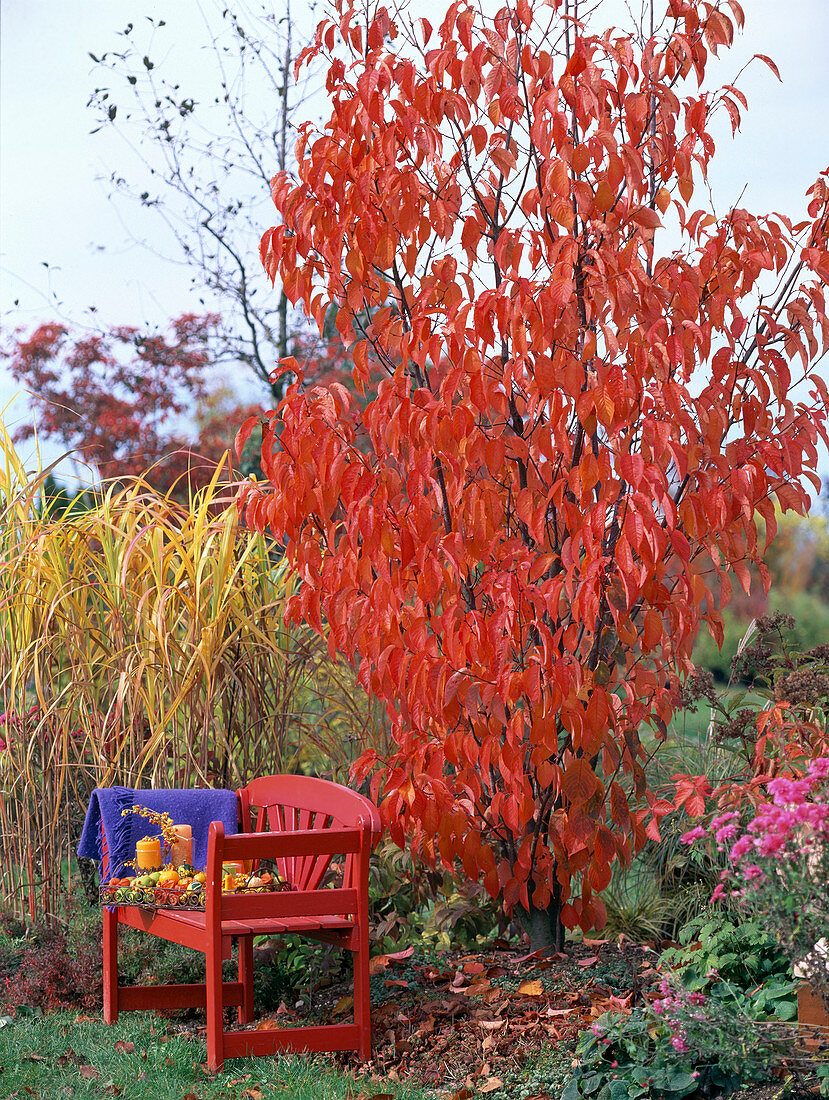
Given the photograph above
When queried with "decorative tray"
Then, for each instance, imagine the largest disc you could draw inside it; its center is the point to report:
(173, 897)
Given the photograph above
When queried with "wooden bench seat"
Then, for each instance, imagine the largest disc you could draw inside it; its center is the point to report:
(300, 824)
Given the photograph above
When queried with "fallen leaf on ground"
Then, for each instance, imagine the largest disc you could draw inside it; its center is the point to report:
(380, 962)
(491, 1025)
(398, 956)
(477, 989)
(531, 955)
(124, 1048)
(252, 1094)
(89, 1072)
(532, 988)
(343, 1005)
(587, 962)
(68, 1056)
(490, 1085)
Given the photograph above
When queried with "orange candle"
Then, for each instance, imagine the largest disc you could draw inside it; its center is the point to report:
(182, 849)
(148, 854)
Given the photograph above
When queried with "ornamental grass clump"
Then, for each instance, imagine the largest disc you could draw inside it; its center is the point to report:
(779, 867)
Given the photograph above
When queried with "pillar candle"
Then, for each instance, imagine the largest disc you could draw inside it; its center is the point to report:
(148, 854)
(182, 849)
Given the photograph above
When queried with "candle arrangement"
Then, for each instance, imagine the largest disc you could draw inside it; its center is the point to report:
(165, 878)
(184, 886)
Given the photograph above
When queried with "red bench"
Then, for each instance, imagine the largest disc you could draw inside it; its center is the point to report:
(300, 823)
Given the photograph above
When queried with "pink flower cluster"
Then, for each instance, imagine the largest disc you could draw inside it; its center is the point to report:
(793, 827)
(673, 1001)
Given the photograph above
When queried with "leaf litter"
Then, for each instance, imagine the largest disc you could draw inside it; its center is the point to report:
(463, 1022)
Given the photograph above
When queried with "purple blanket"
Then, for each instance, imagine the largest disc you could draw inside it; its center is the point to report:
(186, 807)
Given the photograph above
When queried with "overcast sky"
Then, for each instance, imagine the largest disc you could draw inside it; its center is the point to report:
(65, 248)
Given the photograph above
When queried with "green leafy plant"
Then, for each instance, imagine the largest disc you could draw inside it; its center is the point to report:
(720, 1019)
(683, 1044)
(779, 864)
(744, 955)
(630, 1057)
(412, 903)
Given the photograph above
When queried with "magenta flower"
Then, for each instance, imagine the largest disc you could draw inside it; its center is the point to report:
(752, 871)
(693, 835)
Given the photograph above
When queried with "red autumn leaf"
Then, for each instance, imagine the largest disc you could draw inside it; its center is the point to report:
(646, 217)
(243, 434)
(691, 792)
(580, 783)
(768, 61)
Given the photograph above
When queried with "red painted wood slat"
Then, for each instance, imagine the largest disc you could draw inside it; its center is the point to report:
(271, 926)
(175, 996)
(237, 1044)
(186, 929)
(309, 903)
(307, 842)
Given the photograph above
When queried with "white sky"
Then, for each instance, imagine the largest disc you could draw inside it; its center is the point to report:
(54, 209)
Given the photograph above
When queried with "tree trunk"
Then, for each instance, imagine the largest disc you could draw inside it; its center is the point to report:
(544, 926)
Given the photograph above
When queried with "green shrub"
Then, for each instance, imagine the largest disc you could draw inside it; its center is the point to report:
(743, 956)
(717, 1023)
(412, 903)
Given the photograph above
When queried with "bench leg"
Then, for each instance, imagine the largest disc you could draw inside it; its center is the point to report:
(362, 993)
(110, 966)
(215, 1007)
(245, 948)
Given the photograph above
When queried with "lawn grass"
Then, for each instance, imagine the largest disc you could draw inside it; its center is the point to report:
(140, 1058)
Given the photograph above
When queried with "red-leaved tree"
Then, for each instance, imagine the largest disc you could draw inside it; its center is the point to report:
(518, 537)
(120, 400)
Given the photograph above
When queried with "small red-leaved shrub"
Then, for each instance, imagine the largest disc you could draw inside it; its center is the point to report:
(54, 972)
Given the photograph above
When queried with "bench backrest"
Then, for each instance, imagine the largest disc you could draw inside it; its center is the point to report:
(286, 803)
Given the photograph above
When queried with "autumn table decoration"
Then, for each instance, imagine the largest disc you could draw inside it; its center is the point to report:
(164, 876)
